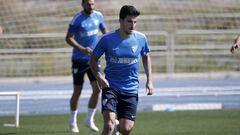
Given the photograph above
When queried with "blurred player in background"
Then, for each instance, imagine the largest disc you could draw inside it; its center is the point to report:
(236, 44)
(122, 48)
(82, 36)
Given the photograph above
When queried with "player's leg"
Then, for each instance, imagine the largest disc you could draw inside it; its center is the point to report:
(74, 101)
(73, 108)
(109, 110)
(127, 110)
(125, 126)
(92, 104)
(93, 101)
(109, 122)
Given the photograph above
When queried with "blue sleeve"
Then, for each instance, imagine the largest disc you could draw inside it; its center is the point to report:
(145, 48)
(72, 28)
(102, 25)
(100, 48)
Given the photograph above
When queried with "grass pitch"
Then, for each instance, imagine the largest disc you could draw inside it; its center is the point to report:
(218, 122)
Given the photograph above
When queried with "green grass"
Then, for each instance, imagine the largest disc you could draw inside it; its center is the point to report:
(222, 122)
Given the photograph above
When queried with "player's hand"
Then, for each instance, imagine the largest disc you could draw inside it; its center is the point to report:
(234, 47)
(149, 88)
(103, 83)
(87, 50)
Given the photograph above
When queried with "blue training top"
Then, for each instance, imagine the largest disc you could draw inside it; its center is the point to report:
(85, 29)
(122, 59)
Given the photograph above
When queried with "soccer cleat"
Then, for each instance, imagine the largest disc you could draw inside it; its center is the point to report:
(73, 128)
(115, 131)
(91, 125)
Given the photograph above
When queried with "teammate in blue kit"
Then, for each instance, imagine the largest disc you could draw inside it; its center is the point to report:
(122, 48)
(82, 36)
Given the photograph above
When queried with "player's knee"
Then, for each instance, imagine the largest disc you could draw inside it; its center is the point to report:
(77, 90)
(110, 126)
(76, 94)
(125, 130)
(96, 91)
(96, 88)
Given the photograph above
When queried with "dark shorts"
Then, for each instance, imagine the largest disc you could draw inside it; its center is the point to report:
(78, 71)
(123, 104)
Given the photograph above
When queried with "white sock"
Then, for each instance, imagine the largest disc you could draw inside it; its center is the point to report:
(73, 117)
(90, 115)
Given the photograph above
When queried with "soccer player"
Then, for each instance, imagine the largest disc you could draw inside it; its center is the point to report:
(236, 44)
(82, 36)
(122, 48)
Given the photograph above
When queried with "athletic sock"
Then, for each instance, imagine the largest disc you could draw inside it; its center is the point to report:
(73, 117)
(90, 115)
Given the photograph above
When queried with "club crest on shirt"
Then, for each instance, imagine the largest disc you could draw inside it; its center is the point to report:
(134, 48)
(84, 24)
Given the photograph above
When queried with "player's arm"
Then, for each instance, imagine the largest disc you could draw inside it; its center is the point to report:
(104, 30)
(146, 59)
(102, 25)
(72, 42)
(236, 44)
(93, 62)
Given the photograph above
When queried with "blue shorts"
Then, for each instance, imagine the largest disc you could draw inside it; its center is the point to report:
(123, 104)
(79, 69)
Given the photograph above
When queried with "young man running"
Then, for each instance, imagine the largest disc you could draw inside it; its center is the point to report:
(122, 48)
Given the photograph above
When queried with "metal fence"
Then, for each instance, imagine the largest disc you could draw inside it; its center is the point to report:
(176, 52)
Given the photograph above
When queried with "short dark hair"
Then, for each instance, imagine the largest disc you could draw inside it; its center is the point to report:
(84, 1)
(128, 10)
